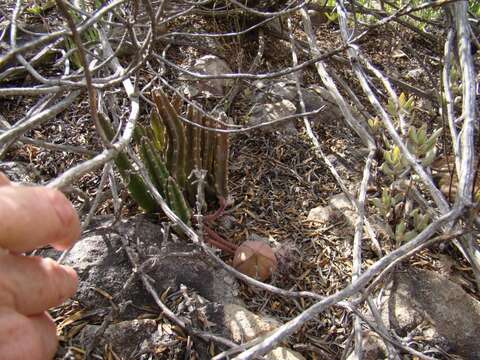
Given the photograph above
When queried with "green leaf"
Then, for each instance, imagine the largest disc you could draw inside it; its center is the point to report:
(422, 135)
(412, 134)
(432, 140)
(400, 229)
(387, 170)
(377, 203)
(396, 154)
(430, 157)
(409, 104)
(410, 235)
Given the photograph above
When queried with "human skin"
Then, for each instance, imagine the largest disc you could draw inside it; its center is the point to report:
(31, 217)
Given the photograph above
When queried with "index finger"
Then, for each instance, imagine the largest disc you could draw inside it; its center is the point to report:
(31, 217)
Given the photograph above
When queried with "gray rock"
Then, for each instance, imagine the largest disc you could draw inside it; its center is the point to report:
(102, 264)
(212, 65)
(262, 113)
(130, 339)
(373, 347)
(283, 353)
(340, 202)
(450, 317)
(244, 325)
(317, 17)
(20, 172)
(320, 214)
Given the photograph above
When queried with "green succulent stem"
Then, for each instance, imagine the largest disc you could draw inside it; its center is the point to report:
(136, 186)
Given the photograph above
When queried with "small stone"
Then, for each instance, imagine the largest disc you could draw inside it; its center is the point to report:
(283, 353)
(245, 325)
(213, 65)
(320, 214)
(373, 348)
(317, 17)
(340, 202)
(262, 113)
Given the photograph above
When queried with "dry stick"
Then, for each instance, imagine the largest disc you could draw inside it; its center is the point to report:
(448, 97)
(165, 310)
(54, 147)
(57, 34)
(253, 67)
(32, 91)
(230, 34)
(97, 199)
(467, 147)
(358, 285)
(327, 80)
(357, 243)
(359, 128)
(287, 10)
(37, 119)
(360, 211)
(92, 95)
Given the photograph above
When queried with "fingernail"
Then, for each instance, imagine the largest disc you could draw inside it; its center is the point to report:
(62, 206)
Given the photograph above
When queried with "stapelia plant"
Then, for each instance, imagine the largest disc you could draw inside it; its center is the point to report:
(170, 150)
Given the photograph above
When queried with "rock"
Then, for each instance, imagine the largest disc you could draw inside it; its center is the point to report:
(340, 202)
(415, 73)
(269, 93)
(212, 65)
(18, 171)
(262, 113)
(320, 214)
(423, 297)
(342, 205)
(317, 17)
(244, 325)
(283, 353)
(101, 264)
(373, 347)
(127, 337)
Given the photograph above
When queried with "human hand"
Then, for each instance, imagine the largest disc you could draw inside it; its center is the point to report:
(31, 217)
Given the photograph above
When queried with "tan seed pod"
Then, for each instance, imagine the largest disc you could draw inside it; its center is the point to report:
(255, 259)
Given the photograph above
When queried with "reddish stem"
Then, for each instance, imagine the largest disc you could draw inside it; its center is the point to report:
(219, 242)
(219, 212)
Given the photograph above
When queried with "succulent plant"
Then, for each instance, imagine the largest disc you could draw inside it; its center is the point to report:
(170, 150)
(255, 259)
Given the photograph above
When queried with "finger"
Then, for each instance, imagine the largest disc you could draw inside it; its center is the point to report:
(4, 179)
(34, 216)
(32, 285)
(24, 337)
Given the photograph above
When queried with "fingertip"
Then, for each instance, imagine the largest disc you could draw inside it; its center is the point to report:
(72, 279)
(68, 217)
(64, 279)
